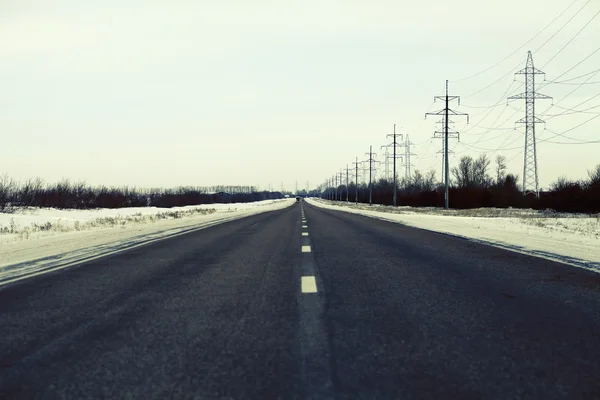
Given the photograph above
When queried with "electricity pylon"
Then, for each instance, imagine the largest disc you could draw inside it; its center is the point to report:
(394, 145)
(386, 168)
(446, 111)
(347, 184)
(407, 154)
(341, 183)
(356, 180)
(530, 169)
(370, 161)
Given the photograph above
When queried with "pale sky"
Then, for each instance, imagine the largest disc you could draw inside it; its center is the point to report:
(239, 92)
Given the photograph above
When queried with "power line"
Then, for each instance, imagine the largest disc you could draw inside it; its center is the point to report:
(571, 92)
(567, 137)
(495, 137)
(519, 49)
(572, 68)
(555, 134)
(490, 129)
(493, 83)
(571, 111)
(489, 112)
(493, 124)
(562, 27)
(517, 110)
(555, 33)
(487, 149)
(577, 126)
(504, 142)
(590, 142)
(583, 102)
(577, 77)
(577, 83)
(573, 38)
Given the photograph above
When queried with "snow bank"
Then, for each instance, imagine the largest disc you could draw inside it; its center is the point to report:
(28, 223)
(569, 238)
(74, 236)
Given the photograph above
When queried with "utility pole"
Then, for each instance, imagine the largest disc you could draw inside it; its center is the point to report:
(446, 111)
(441, 134)
(395, 144)
(347, 185)
(296, 188)
(356, 180)
(370, 160)
(530, 170)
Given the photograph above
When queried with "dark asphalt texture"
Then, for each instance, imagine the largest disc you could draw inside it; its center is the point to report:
(400, 313)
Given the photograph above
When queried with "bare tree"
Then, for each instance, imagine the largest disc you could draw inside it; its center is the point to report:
(481, 177)
(561, 183)
(7, 186)
(511, 182)
(27, 193)
(429, 181)
(500, 169)
(463, 174)
(594, 175)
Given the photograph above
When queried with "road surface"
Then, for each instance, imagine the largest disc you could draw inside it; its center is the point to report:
(338, 306)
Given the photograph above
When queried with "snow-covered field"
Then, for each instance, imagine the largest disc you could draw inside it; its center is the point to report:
(39, 240)
(570, 238)
(30, 223)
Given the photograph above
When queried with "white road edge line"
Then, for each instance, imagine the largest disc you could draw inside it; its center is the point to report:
(309, 284)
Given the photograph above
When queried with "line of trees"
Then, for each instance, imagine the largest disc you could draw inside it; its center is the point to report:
(475, 183)
(67, 195)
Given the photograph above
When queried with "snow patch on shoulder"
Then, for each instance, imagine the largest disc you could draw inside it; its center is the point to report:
(75, 236)
(573, 239)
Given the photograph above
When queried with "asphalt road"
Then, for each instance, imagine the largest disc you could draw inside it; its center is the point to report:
(231, 312)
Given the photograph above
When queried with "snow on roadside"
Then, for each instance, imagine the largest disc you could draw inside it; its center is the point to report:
(30, 223)
(56, 248)
(568, 238)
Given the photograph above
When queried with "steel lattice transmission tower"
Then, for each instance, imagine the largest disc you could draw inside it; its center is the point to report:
(341, 184)
(530, 169)
(386, 168)
(407, 155)
(371, 160)
(356, 163)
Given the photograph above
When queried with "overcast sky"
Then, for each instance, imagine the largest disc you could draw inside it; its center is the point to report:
(167, 93)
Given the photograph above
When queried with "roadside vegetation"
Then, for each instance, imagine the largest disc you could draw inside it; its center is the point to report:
(476, 183)
(68, 195)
